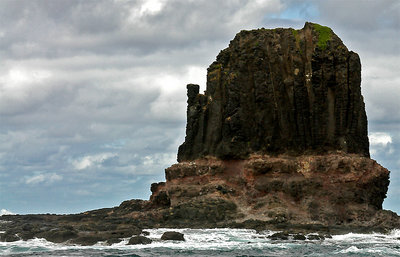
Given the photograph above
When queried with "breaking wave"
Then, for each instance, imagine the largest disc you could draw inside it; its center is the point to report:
(5, 212)
(218, 242)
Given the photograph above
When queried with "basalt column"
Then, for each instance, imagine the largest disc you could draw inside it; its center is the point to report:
(278, 91)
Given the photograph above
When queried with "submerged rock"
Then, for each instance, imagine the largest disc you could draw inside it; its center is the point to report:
(112, 241)
(315, 237)
(87, 240)
(279, 236)
(136, 240)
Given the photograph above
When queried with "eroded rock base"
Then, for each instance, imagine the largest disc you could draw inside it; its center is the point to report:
(331, 189)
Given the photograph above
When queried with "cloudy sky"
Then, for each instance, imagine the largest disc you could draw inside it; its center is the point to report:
(93, 93)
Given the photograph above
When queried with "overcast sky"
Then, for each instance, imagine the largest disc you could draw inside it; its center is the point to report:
(93, 93)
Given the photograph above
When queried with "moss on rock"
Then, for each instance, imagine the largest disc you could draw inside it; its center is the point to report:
(325, 34)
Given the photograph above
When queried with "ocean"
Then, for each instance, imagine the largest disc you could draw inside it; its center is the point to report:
(219, 242)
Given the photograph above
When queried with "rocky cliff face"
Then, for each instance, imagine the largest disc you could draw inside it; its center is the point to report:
(329, 189)
(278, 91)
(279, 136)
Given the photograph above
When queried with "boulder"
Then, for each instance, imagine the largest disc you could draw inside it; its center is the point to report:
(87, 240)
(299, 237)
(173, 235)
(315, 237)
(279, 236)
(139, 240)
(112, 241)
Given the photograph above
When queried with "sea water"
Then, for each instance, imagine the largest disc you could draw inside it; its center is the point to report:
(219, 242)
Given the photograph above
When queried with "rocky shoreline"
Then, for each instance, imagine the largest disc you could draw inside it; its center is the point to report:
(105, 225)
(278, 141)
(294, 195)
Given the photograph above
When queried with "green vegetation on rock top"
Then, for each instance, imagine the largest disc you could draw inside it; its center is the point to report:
(297, 38)
(325, 34)
(294, 32)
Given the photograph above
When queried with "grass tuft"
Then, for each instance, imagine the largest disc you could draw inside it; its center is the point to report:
(325, 34)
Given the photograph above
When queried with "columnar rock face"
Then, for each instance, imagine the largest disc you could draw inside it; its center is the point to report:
(279, 136)
(278, 91)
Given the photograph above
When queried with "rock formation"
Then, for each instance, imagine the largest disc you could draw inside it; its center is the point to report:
(277, 141)
(278, 91)
(279, 136)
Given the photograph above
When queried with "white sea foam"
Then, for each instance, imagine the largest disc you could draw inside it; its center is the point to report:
(369, 238)
(195, 239)
(395, 233)
(227, 240)
(351, 249)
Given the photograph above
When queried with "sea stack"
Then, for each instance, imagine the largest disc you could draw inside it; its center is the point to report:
(280, 91)
(278, 141)
(279, 136)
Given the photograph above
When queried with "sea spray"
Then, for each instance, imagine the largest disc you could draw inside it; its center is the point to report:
(219, 242)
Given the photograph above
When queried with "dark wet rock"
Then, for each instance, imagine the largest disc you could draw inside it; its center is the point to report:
(299, 237)
(112, 241)
(201, 212)
(132, 205)
(124, 232)
(58, 236)
(173, 235)
(26, 235)
(159, 197)
(279, 236)
(9, 237)
(315, 237)
(258, 225)
(136, 240)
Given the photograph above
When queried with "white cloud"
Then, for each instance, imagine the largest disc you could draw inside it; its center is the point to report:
(159, 159)
(254, 8)
(171, 103)
(380, 138)
(20, 75)
(21, 88)
(48, 178)
(380, 85)
(151, 7)
(380, 143)
(92, 161)
(5, 212)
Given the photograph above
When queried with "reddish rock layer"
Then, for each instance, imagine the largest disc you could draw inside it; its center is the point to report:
(326, 189)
